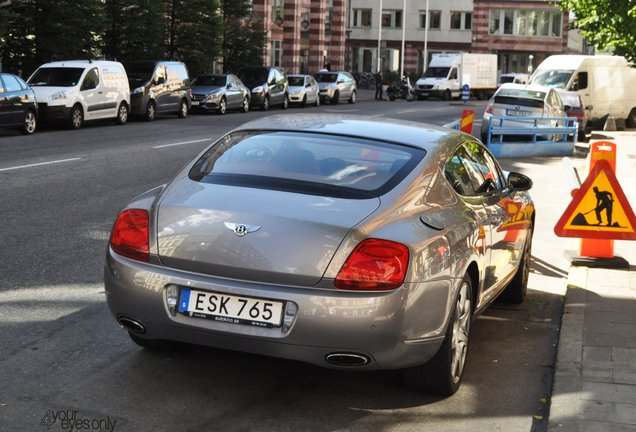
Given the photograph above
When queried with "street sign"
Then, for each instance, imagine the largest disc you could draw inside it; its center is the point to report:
(465, 92)
(599, 210)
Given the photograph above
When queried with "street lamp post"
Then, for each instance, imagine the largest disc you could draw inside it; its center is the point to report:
(425, 65)
(403, 35)
(379, 65)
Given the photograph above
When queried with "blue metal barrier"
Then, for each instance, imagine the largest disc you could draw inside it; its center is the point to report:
(453, 125)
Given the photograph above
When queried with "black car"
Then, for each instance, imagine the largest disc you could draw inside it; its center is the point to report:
(18, 107)
(268, 86)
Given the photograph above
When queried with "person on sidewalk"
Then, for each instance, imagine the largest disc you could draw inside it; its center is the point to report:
(378, 86)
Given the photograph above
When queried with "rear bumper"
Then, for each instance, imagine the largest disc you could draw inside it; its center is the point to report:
(377, 325)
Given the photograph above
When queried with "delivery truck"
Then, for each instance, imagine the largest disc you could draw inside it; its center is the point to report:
(607, 85)
(446, 75)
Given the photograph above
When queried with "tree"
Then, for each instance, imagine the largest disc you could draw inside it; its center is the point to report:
(243, 45)
(44, 30)
(136, 29)
(605, 23)
(194, 33)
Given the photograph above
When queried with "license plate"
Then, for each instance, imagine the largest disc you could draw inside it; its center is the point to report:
(195, 102)
(231, 309)
(518, 113)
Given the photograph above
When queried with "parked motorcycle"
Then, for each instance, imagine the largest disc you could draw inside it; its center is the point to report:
(400, 90)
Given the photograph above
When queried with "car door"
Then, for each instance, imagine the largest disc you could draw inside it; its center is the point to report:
(275, 96)
(311, 89)
(343, 87)
(233, 93)
(92, 95)
(6, 110)
(453, 81)
(159, 88)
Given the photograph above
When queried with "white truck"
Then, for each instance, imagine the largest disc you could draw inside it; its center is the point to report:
(606, 84)
(447, 73)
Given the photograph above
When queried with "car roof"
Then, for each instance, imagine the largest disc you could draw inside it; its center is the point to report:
(420, 135)
(80, 63)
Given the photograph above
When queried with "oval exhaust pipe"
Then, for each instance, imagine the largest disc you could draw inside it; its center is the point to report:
(347, 359)
(132, 325)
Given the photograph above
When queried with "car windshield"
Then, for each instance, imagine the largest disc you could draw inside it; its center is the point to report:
(56, 77)
(310, 163)
(253, 76)
(296, 81)
(139, 73)
(209, 81)
(326, 78)
(436, 72)
(551, 78)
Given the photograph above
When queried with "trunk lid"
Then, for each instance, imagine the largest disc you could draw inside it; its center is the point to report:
(297, 238)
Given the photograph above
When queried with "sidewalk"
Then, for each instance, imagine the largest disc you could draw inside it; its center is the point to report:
(595, 374)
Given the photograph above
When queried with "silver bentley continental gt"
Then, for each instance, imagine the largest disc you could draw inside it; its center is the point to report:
(334, 240)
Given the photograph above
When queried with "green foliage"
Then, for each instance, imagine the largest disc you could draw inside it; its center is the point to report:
(194, 33)
(389, 77)
(4, 21)
(243, 45)
(606, 23)
(136, 30)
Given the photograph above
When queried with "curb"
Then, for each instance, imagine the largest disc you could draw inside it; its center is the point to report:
(565, 405)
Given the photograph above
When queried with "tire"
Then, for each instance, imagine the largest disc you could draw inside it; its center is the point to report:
(265, 104)
(631, 119)
(77, 117)
(447, 95)
(285, 103)
(391, 98)
(222, 106)
(246, 105)
(29, 123)
(122, 114)
(516, 290)
(409, 97)
(484, 138)
(581, 137)
(183, 109)
(303, 104)
(336, 96)
(443, 373)
(353, 98)
(151, 111)
(317, 103)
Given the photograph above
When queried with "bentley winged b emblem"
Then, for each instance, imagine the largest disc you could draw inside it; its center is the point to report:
(241, 229)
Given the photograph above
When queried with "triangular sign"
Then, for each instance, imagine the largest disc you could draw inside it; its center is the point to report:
(599, 210)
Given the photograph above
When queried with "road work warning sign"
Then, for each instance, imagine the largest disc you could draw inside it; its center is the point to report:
(599, 209)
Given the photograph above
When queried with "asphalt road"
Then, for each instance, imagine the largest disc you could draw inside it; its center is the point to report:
(63, 353)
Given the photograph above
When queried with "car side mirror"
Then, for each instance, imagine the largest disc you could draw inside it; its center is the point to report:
(229, 85)
(567, 107)
(519, 182)
(160, 80)
(272, 82)
(340, 81)
(589, 108)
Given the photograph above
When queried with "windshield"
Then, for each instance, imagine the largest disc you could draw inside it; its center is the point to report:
(209, 81)
(436, 72)
(552, 78)
(296, 81)
(326, 78)
(139, 74)
(310, 163)
(253, 76)
(56, 77)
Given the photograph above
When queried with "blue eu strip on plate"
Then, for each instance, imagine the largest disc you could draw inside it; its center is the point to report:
(185, 300)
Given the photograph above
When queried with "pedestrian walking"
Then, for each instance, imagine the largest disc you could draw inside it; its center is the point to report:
(378, 86)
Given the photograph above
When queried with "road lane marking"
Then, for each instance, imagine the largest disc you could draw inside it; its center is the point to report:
(343, 110)
(182, 143)
(39, 164)
(377, 115)
(408, 111)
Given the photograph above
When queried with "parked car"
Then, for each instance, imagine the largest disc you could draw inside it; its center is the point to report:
(336, 85)
(303, 89)
(519, 101)
(18, 106)
(77, 90)
(158, 87)
(326, 239)
(513, 78)
(574, 107)
(268, 86)
(219, 92)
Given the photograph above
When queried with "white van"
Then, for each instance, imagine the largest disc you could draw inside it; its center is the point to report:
(78, 90)
(606, 84)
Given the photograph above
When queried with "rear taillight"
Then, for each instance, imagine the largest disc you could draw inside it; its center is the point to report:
(374, 265)
(576, 115)
(489, 110)
(130, 235)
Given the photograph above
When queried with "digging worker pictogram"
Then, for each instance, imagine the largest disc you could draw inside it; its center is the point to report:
(604, 201)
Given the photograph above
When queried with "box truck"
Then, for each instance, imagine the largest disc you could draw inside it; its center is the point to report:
(446, 75)
(606, 84)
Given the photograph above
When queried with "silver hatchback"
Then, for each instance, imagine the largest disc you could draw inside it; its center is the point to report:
(335, 86)
(334, 240)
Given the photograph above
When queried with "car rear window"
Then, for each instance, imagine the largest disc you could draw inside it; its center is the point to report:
(309, 163)
(56, 77)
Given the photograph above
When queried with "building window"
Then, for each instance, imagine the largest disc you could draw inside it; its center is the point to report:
(434, 22)
(392, 18)
(362, 17)
(277, 52)
(277, 9)
(461, 20)
(521, 22)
